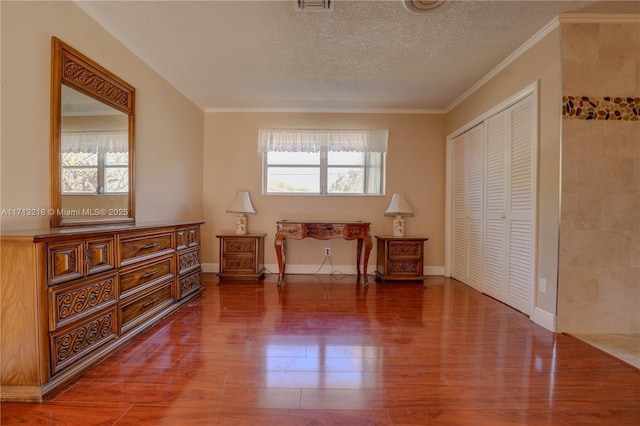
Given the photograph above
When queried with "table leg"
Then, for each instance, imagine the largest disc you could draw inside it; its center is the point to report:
(367, 252)
(280, 254)
(359, 256)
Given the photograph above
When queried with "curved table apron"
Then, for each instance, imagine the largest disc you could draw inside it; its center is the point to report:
(298, 230)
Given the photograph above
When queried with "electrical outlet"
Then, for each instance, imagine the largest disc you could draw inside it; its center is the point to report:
(327, 251)
(542, 285)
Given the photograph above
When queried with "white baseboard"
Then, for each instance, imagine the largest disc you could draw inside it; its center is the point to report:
(315, 269)
(544, 319)
(211, 267)
(434, 270)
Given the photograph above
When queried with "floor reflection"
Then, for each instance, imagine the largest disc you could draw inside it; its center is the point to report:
(322, 350)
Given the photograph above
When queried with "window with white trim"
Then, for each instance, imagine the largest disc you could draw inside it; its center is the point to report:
(323, 162)
(94, 162)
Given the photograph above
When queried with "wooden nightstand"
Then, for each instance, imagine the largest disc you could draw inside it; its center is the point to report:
(241, 256)
(400, 258)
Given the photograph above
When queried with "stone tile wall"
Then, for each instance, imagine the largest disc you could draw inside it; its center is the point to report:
(599, 260)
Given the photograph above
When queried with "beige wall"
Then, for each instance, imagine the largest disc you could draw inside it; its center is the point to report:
(169, 128)
(415, 166)
(599, 274)
(540, 63)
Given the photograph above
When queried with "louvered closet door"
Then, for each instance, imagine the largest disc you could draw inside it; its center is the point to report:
(467, 207)
(495, 228)
(521, 206)
(509, 210)
(459, 222)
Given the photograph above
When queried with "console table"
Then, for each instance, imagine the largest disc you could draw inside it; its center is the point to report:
(297, 230)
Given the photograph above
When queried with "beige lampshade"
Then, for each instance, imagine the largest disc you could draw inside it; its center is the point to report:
(398, 206)
(241, 204)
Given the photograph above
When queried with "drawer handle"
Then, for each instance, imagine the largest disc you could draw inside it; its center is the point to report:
(151, 302)
(152, 245)
(149, 274)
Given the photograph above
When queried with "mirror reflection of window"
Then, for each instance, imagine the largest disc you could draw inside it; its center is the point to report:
(94, 162)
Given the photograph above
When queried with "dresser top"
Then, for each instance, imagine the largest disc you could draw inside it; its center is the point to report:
(78, 231)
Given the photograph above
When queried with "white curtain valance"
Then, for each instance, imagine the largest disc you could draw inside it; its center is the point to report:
(302, 140)
(90, 141)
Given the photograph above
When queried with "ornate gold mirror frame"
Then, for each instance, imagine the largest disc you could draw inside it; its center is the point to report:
(101, 105)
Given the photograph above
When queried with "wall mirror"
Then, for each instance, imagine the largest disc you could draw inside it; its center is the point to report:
(92, 127)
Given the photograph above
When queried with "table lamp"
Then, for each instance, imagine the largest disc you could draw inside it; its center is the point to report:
(399, 208)
(241, 205)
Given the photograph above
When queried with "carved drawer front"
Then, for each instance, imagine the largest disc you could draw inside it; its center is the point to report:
(405, 250)
(65, 261)
(70, 260)
(291, 230)
(133, 279)
(193, 236)
(236, 246)
(73, 342)
(181, 238)
(189, 283)
(137, 248)
(145, 306)
(187, 237)
(239, 264)
(411, 267)
(354, 231)
(188, 260)
(73, 301)
(324, 231)
(99, 255)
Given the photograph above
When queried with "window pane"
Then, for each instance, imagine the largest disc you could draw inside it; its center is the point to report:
(345, 180)
(117, 179)
(79, 180)
(345, 158)
(293, 158)
(80, 158)
(116, 158)
(293, 179)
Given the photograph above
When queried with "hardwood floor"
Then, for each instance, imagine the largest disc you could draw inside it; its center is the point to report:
(326, 351)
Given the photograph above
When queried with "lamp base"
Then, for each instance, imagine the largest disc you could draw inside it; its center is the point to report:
(398, 226)
(241, 224)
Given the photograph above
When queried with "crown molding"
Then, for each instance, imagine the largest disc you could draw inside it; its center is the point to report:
(328, 110)
(542, 33)
(565, 18)
(599, 18)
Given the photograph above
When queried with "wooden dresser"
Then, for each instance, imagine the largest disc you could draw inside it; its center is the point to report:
(71, 297)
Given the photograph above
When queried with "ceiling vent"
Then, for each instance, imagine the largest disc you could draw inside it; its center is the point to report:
(422, 6)
(314, 5)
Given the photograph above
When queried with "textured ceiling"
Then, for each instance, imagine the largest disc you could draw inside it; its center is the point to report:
(365, 55)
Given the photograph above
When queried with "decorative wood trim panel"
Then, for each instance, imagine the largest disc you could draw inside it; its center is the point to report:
(83, 74)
